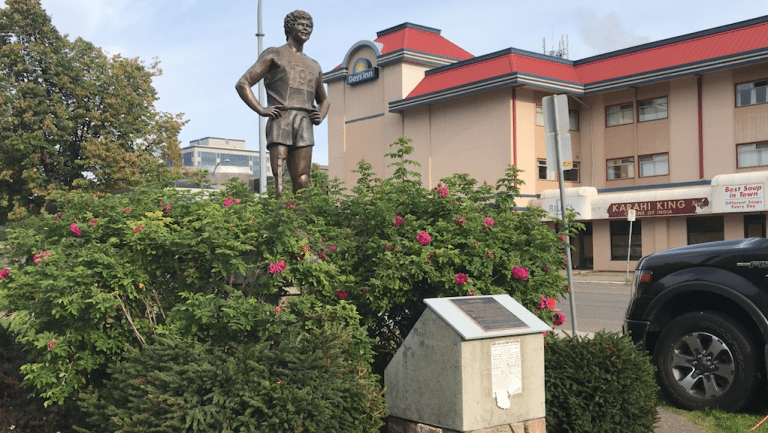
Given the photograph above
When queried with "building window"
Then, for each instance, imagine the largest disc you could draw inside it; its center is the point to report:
(235, 160)
(573, 119)
(542, 165)
(539, 115)
(622, 168)
(207, 159)
(705, 229)
(618, 114)
(572, 175)
(620, 240)
(754, 226)
(186, 159)
(752, 155)
(652, 109)
(654, 165)
(752, 93)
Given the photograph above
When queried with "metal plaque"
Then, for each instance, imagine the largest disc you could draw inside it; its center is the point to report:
(489, 314)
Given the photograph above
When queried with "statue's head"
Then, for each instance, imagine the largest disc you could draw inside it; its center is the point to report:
(292, 18)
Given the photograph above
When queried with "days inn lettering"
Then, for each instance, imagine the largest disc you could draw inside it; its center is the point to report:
(685, 206)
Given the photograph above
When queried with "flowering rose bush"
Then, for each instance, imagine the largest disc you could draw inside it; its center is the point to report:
(173, 263)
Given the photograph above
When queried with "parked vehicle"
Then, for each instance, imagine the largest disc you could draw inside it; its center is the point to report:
(701, 311)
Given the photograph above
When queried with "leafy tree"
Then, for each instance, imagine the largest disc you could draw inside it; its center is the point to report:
(72, 117)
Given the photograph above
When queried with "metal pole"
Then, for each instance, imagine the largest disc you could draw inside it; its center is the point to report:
(629, 248)
(262, 121)
(569, 269)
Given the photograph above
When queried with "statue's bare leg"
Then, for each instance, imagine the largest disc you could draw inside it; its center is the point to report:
(278, 154)
(299, 165)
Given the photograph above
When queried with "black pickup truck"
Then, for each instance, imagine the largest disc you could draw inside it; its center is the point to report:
(701, 311)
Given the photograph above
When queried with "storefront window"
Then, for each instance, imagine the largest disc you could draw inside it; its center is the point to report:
(620, 240)
(705, 229)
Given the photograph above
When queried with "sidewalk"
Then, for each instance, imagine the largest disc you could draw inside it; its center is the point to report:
(669, 422)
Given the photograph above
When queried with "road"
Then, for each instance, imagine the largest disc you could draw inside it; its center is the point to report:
(599, 305)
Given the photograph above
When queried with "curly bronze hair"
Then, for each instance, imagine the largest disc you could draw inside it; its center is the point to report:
(292, 18)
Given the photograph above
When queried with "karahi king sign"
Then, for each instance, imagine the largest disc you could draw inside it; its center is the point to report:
(684, 206)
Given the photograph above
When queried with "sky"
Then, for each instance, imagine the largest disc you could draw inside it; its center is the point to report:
(205, 46)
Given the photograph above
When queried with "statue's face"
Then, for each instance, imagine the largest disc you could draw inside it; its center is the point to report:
(301, 31)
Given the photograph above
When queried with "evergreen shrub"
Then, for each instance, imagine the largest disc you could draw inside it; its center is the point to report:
(313, 376)
(600, 384)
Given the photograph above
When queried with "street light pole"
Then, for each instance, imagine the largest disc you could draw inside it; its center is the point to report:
(262, 100)
(213, 175)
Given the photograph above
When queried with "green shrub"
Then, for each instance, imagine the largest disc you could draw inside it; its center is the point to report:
(314, 376)
(602, 384)
(106, 275)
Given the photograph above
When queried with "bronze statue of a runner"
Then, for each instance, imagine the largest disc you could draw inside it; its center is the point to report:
(294, 83)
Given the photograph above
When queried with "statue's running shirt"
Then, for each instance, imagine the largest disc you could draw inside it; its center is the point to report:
(290, 83)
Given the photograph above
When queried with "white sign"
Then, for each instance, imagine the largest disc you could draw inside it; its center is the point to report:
(631, 215)
(747, 197)
(507, 371)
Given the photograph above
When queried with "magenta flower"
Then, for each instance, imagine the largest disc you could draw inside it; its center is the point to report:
(277, 267)
(138, 229)
(93, 222)
(442, 190)
(332, 248)
(51, 344)
(56, 217)
(559, 318)
(520, 273)
(461, 279)
(341, 294)
(75, 229)
(460, 221)
(237, 201)
(167, 208)
(228, 201)
(546, 304)
(423, 238)
(488, 221)
(398, 221)
(39, 257)
(4, 273)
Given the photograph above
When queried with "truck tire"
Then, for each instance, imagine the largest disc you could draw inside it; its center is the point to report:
(705, 359)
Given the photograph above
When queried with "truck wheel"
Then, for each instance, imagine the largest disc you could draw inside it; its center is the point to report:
(706, 359)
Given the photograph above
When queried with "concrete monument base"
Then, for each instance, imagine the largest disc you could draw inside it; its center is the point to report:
(398, 425)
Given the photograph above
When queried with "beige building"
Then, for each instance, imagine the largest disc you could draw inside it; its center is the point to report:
(676, 130)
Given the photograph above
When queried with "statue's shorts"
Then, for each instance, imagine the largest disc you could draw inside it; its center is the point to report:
(293, 128)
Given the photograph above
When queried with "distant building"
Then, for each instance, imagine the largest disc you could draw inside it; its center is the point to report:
(223, 157)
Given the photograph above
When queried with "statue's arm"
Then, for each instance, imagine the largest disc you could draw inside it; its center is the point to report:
(253, 75)
(323, 104)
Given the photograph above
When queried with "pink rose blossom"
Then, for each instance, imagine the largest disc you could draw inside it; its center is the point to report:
(332, 248)
(75, 229)
(138, 229)
(277, 310)
(277, 267)
(167, 208)
(442, 190)
(461, 279)
(423, 238)
(4, 273)
(398, 221)
(520, 273)
(559, 318)
(546, 304)
(39, 257)
(160, 203)
(341, 294)
(460, 221)
(237, 201)
(228, 201)
(488, 221)
(51, 344)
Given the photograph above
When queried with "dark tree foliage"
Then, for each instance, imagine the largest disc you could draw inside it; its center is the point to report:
(72, 117)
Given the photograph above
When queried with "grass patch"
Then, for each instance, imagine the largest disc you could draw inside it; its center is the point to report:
(717, 421)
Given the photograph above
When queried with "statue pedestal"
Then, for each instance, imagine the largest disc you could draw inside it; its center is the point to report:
(470, 364)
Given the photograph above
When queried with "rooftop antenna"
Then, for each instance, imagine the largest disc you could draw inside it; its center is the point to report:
(561, 51)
